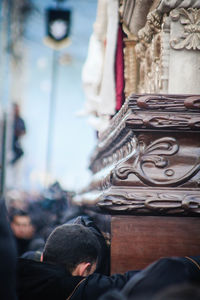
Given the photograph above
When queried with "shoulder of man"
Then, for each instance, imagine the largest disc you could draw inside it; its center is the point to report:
(97, 284)
(40, 280)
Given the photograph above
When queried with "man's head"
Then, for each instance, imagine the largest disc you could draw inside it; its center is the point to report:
(16, 109)
(75, 247)
(21, 224)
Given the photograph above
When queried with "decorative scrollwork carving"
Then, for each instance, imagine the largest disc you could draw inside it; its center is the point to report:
(167, 121)
(164, 112)
(166, 102)
(156, 155)
(157, 202)
(191, 202)
(190, 19)
(192, 102)
(124, 147)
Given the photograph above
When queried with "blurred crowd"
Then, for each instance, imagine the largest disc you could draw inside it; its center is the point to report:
(34, 216)
(50, 249)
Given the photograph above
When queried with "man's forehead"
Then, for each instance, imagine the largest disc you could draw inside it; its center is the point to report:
(21, 219)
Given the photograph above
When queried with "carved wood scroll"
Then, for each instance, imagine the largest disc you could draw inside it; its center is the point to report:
(148, 161)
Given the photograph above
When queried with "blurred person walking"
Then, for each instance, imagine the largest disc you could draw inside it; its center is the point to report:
(19, 129)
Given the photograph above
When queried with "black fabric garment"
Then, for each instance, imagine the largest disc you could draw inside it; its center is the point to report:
(180, 292)
(96, 285)
(157, 277)
(8, 257)
(22, 245)
(42, 281)
(113, 295)
(34, 255)
(162, 274)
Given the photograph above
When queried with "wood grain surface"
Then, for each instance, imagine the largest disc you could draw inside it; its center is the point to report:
(136, 241)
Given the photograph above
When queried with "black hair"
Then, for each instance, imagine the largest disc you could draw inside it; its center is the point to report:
(71, 244)
(18, 212)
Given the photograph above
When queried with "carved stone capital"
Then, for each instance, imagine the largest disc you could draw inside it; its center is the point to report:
(190, 21)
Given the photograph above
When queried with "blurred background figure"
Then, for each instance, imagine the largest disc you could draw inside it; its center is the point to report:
(23, 230)
(19, 130)
(33, 217)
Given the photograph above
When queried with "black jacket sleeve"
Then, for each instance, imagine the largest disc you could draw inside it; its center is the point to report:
(96, 285)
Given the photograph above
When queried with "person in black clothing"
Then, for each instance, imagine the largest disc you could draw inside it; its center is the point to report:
(70, 258)
(68, 271)
(160, 279)
(19, 130)
(8, 257)
(162, 274)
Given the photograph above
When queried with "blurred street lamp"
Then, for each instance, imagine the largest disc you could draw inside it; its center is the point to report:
(58, 24)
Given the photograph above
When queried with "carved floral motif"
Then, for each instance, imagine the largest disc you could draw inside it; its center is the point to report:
(190, 19)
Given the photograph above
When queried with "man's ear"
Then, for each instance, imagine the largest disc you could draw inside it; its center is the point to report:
(82, 269)
(41, 257)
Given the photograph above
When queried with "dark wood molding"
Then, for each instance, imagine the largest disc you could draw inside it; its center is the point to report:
(148, 160)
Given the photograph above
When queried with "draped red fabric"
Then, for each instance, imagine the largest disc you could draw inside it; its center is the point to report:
(119, 70)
